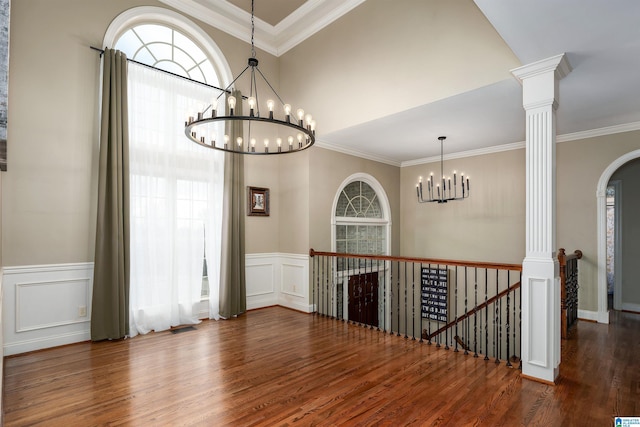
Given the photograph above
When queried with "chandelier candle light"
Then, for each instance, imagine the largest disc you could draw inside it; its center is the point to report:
(202, 129)
(444, 190)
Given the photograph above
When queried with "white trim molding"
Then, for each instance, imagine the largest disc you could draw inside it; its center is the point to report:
(567, 137)
(278, 279)
(601, 195)
(591, 316)
(46, 306)
(145, 14)
(308, 19)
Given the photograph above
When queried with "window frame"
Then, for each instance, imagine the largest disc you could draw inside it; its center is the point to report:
(384, 206)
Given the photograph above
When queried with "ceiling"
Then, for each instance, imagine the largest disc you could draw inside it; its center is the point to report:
(274, 13)
(600, 96)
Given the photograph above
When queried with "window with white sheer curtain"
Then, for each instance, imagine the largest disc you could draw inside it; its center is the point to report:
(176, 203)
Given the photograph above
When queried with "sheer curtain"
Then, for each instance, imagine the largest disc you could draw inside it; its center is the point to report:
(176, 203)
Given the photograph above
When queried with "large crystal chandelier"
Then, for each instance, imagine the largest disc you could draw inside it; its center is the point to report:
(271, 134)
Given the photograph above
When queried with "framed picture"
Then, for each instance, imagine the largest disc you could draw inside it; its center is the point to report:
(257, 201)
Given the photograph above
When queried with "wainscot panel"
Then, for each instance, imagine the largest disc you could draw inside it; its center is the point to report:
(46, 306)
(278, 279)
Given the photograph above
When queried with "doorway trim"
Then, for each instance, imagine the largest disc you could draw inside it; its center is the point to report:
(601, 195)
(617, 244)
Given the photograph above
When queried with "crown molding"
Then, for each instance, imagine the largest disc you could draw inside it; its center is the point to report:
(558, 64)
(357, 153)
(469, 153)
(592, 133)
(228, 18)
(608, 130)
(308, 19)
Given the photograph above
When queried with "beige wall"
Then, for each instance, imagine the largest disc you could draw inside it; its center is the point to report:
(307, 185)
(488, 226)
(328, 169)
(404, 54)
(48, 194)
(294, 204)
(261, 233)
(580, 166)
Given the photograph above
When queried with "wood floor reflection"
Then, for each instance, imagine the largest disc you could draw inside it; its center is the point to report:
(279, 367)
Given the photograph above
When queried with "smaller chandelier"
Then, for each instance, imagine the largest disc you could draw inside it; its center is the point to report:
(443, 190)
(269, 135)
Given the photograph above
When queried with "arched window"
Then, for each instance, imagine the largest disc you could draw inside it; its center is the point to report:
(176, 186)
(361, 218)
(362, 225)
(167, 49)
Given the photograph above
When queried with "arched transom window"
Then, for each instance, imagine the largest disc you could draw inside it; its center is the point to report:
(168, 49)
(361, 227)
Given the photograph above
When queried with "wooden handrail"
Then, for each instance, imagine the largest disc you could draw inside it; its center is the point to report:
(473, 311)
(563, 257)
(489, 265)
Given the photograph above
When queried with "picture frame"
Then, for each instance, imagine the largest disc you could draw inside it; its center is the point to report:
(257, 201)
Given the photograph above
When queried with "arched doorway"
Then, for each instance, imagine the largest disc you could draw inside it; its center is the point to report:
(601, 194)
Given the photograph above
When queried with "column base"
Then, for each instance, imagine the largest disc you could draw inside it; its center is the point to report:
(540, 319)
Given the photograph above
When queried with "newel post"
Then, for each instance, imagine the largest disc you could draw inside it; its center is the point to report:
(562, 261)
(540, 269)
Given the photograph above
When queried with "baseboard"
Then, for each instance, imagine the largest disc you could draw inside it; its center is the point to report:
(305, 308)
(594, 316)
(627, 306)
(46, 342)
(261, 301)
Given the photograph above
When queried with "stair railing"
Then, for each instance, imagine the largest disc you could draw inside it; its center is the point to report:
(568, 289)
(461, 305)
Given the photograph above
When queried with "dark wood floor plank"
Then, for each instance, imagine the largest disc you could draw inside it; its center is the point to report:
(279, 367)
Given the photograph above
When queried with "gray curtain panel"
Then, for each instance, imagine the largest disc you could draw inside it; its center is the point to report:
(110, 305)
(233, 289)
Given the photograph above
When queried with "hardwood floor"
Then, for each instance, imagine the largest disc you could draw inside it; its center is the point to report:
(279, 367)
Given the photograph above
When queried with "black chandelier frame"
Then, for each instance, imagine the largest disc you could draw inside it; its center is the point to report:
(304, 126)
(441, 192)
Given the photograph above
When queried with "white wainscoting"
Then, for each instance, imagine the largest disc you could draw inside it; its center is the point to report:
(50, 305)
(46, 306)
(278, 279)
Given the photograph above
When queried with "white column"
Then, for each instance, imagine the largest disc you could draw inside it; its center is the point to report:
(540, 279)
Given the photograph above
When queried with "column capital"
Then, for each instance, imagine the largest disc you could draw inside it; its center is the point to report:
(558, 64)
(540, 81)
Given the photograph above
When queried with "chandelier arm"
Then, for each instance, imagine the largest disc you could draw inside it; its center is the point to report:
(271, 87)
(227, 89)
(254, 88)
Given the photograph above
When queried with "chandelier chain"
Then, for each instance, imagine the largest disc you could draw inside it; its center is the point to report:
(202, 131)
(253, 30)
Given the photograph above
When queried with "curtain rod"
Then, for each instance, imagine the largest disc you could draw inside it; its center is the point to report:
(168, 72)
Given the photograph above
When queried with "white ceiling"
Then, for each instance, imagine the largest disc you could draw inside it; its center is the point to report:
(601, 95)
